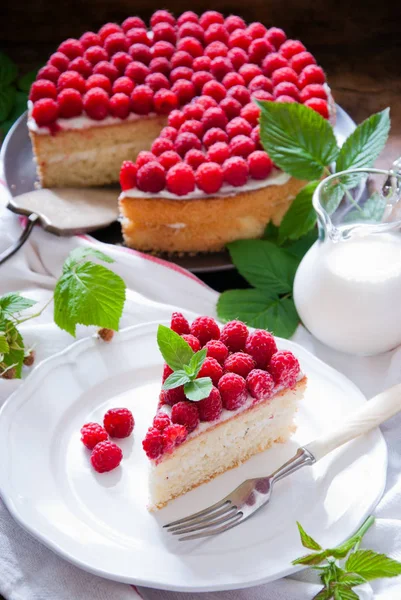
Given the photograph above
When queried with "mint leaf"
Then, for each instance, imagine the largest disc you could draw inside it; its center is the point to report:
(307, 540)
(88, 294)
(196, 362)
(8, 70)
(351, 579)
(264, 265)
(300, 218)
(341, 593)
(176, 379)
(301, 246)
(15, 355)
(297, 139)
(175, 350)
(371, 565)
(13, 303)
(363, 146)
(7, 99)
(371, 211)
(198, 389)
(24, 83)
(4, 347)
(311, 559)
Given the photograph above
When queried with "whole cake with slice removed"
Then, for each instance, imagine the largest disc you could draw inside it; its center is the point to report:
(226, 395)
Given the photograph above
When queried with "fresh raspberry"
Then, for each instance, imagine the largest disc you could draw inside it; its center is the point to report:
(260, 164)
(119, 422)
(276, 37)
(108, 29)
(218, 152)
(185, 413)
(181, 59)
(176, 119)
(273, 62)
(241, 145)
(286, 88)
(214, 89)
(201, 78)
(173, 396)
(185, 90)
(161, 145)
(169, 132)
(234, 335)
(138, 35)
(162, 16)
(161, 64)
(96, 103)
(250, 112)
(214, 135)
(260, 82)
(181, 73)
(211, 368)
(249, 72)
(209, 17)
(216, 32)
(193, 111)
(163, 49)
(210, 408)
(192, 30)
(173, 436)
(216, 49)
(256, 30)
(95, 54)
(192, 341)
(179, 324)
(260, 384)
(60, 61)
(194, 158)
(123, 85)
(232, 388)
(302, 60)
(233, 22)
(116, 42)
(144, 157)
(98, 81)
(121, 60)
(71, 79)
(291, 47)
(69, 103)
(261, 346)
(314, 90)
(190, 45)
(165, 101)
(214, 117)
(140, 53)
(231, 107)
(205, 328)
(180, 179)
(319, 105)
(240, 93)
(206, 102)
(238, 57)
(185, 142)
(192, 126)
(201, 63)
(311, 74)
(142, 99)
(235, 171)
(284, 368)
(232, 79)
(45, 111)
(161, 421)
(128, 175)
(217, 350)
(106, 456)
(132, 22)
(187, 17)
(42, 88)
(153, 443)
(92, 434)
(71, 48)
(258, 49)
(151, 178)
(240, 363)
(221, 67)
(167, 371)
(239, 39)
(209, 177)
(83, 66)
(286, 74)
(137, 72)
(49, 72)
(238, 126)
(164, 32)
(89, 38)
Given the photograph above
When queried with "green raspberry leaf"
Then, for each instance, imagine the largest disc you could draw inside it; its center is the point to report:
(341, 593)
(4, 347)
(198, 389)
(13, 303)
(176, 379)
(300, 218)
(307, 540)
(351, 579)
(372, 565)
(175, 350)
(79, 255)
(301, 246)
(324, 594)
(311, 559)
(16, 349)
(8, 70)
(7, 100)
(271, 232)
(371, 211)
(196, 362)
(297, 139)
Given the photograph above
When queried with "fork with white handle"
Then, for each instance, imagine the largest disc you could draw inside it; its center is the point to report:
(251, 495)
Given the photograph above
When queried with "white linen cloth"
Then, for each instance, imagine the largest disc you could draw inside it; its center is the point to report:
(28, 570)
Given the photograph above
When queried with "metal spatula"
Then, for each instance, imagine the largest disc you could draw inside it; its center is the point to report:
(63, 211)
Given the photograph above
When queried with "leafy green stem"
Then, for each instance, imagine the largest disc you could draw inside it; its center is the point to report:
(37, 314)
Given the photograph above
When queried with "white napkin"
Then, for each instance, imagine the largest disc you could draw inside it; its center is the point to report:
(28, 570)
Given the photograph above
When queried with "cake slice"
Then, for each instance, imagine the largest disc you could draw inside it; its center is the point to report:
(226, 395)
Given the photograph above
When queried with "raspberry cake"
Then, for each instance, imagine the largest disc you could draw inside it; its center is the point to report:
(176, 99)
(254, 393)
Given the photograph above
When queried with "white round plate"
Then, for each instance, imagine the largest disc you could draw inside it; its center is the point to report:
(100, 522)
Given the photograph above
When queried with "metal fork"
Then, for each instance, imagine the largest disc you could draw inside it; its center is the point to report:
(251, 495)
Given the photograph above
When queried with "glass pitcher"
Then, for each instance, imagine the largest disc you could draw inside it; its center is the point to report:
(347, 289)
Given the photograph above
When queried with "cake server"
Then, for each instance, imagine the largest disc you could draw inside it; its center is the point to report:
(63, 211)
(252, 494)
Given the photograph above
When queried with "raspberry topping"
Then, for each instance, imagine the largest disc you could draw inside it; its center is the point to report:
(71, 79)
(161, 421)
(190, 45)
(291, 47)
(214, 135)
(261, 346)
(161, 145)
(142, 99)
(128, 175)
(319, 106)
(260, 384)
(187, 17)
(186, 141)
(314, 90)
(239, 39)
(250, 112)
(179, 324)
(238, 57)
(216, 32)
(210, 408)
(194, 158)
(116, 42)
(258, 50)
(173, 396)
(240, 363)
(276, 37)
(214, 117)
(256, 30)
(210, 17)
(90, 39)
(185, 413)
(153, 443)
(218, 152)
(180, 179)
(205, 329)
(238, 126)
(83, 66)
(241, 145)
(144, 157)
(45, 111)
(71, 48)
(217, 350)
(95, 54)
(311, 74)
(58, 60)
(137, 35)
(181, 59)
(216, 49)
(43, 88)
(236, 171)
(273, 62)
(160, 65)
(231, 107)
(260, 165)
(120, 106)
(201, 63)
(233, 22)
(234, 335)
(164, 101)
(141, 53)
(284, 368)
(169, 132)
(209, 177)
(106, 456)
(214, 89)
(200, 79)
(162, 16)
(184, 89)
(192, 126)
(240, 93)
(119, 422)
(49, 72)
(192, 341)
(173, 436)
(232, 388)
(220, 67)
(131, 22)
(211, 368)
(96, 103)
(151, 177)
(232, 79)
(137, 71)
(120, 61)
(164, 32)
(108, 29)
(98, 81)
(167, 371)
(285, 88)
(70, 103)
(302, 60)
(92, 434)
(285, 74)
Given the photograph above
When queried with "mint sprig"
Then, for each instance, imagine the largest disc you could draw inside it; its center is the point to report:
(360, 566)
(185, 363)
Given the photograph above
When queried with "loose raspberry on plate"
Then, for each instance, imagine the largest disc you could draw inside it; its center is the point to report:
(161, 421)
(92, 434)
(108, 29)
(181, 59)
(192, 126)
(210, 408)
(238, 126)
(209, 17)
(173, 436)
(231, 107)
(216, 49)
(186, 141)
(240, 363)
(106, 456)
(284, 368)
(162, 16)
(260, 384)
(234, 22)
(258, 49)
(172, 396)
(214, 117)
(276, 36)
(216, 32)
(132, 22)
(240, 93)
(214, 135)
(211, 368)
(311, 74)
(120, 60)
(160, 64)
(164, 32)
(251, 112)
(160, 145)
(187, 17)
(194, 158)
(218, 152)
(291, 47)
(95, 54)
(142, 99)
(128, 175)
(179, 323)
(261, 346)
(180, 179)
(319, 105)
(98, 81)
(71, 48)
(164, 101)
(239, 39)
(302, 60)
(184, 89)
(256, 30)
(209, 177)
(285, 74)
(42, 88)
(153, 443)
(234, 335)
(205, 329)
(71, 79)
(144, 157)
(119, 422)
(140, 53)
(49, 72)
(273, 62)
(89, 38)
(260, 165)
(82, 65)
(241, 145)
(45, 111)
(151, 178)
(190, 45)
(314, 90)
(232, 388)
(192, 341)
(116, 42)
(96, 103)
(60, 61)
(216, 349)
(285, 88)
(167, 371)
(236, 171)
(185, 413)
